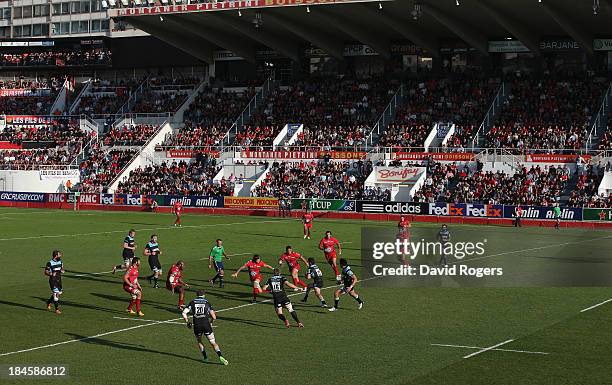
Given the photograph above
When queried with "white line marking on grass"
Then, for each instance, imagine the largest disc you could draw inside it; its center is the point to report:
(229, 255)
(144, 229)
(596, 305)
(487, 349)
(148, 320)
(86, 274)
(145, 325)
(530, 249)
(479, 347)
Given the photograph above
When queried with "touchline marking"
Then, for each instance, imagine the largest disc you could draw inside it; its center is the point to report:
(148, 320)
(154, 320)
(144, 229)
(479, 347)
(596, 305)
(145, 325)
(487, 349)
(530, 249)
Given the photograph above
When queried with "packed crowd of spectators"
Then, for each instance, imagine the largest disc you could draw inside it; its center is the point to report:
(39, 102)
(196, 136)
(34, 158)
(209, 117)
(217, 107)
(536, 186)
(151, 102)
(59, 58)
(331, 137)
(605, 142)
(322, 105)
(546, 113)
(195, 178)
(586, 191)
(439, 178)
(107, 96)
(129, 135)
(459, 100)
(60, 132)
(330, 180)
(102, 104)
(102, 166)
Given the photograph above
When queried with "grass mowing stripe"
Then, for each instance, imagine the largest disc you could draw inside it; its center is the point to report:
(144, 229)
(145, 325)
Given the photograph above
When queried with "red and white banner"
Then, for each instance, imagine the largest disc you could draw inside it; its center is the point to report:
(220, 6)
(24, 92)
(189, 154)
(280, 154)
(550, 158)
(303, 155)
(398, 174)
(27, 120)
(450, 156)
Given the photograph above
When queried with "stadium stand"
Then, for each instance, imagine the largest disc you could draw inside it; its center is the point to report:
(182, 178)
(461, 99)
(547, 114)
(331, 180)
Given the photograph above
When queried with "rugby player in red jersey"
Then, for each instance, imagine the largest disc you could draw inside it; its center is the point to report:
(403, 224)
(328, 244)
(254, 267)
(403, 227)
(293, 262)
(175, 283)
(177, 209)
(131, 285)
(307, 219)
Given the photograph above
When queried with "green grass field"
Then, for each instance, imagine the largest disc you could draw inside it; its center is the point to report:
(394, 339)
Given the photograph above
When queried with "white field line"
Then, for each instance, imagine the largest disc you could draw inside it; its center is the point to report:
(529, 249)
(496, 349)
(143, 325)
(596, 305)
(148, 320)
(487, 349)
(143, 229)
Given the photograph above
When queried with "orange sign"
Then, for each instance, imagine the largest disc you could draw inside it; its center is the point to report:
(250, 202)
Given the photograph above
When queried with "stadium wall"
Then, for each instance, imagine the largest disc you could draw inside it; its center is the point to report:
(337, 209)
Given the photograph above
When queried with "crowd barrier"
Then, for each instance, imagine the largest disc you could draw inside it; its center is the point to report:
(467, 212)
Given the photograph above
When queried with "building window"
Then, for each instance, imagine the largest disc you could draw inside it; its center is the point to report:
(83, 26)
(27, 12)
(26, 30)
(5, 14)
(76, 7)
(95, 6)
(85, 6)
(105, 25)
(17, 31)
(41, 10)
(17, 12)
(95, 26)
(65, 8)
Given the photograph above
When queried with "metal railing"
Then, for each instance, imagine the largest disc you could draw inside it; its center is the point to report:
(77, 100)
(387, 115)
(486, 122)
(137, 154)
(600, 119)
(245, 115)
(129, 104)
